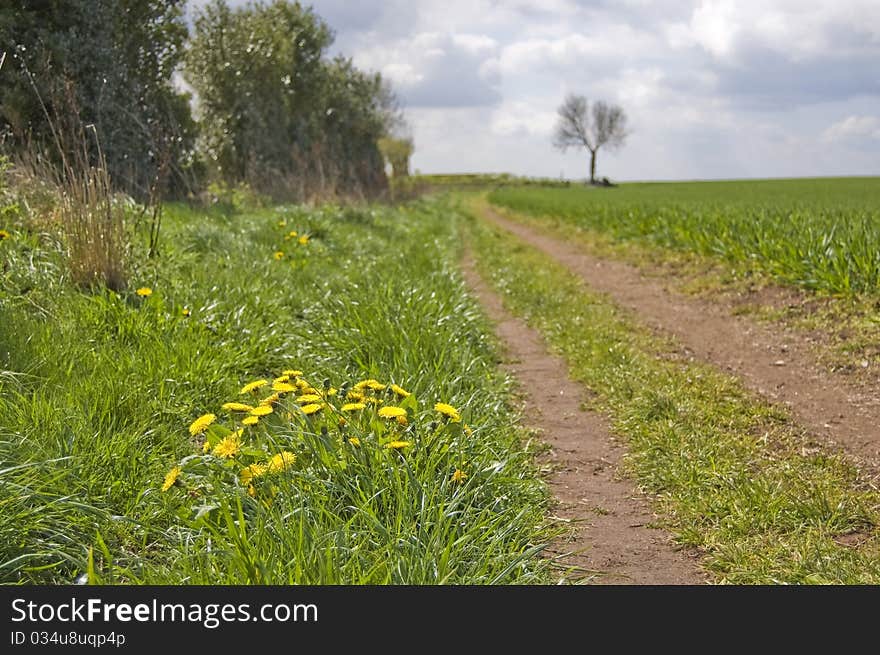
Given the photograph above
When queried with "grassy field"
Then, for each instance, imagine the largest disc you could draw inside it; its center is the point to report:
(731, 475)
(295, 395)
(120, 462)
(819, 234)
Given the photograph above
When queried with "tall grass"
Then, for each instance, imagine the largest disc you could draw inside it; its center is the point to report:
(821, 234)
(93, 224)
(92, 220)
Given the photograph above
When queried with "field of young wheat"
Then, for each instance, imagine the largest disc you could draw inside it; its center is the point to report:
(820, 234)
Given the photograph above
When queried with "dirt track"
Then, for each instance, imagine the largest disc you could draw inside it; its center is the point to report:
(610, 538)
(777, 365)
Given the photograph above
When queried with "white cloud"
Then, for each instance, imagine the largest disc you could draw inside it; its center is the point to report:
(714, 27)
(438, 69)
(475, 43)
(529, 116)
(616, 43)
(853, 128)
(795, 29)
(402, 73)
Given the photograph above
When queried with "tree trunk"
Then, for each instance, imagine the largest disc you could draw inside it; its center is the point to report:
(593, 166)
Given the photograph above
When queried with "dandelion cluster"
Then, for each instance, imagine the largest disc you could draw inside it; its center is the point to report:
(294, 239)
(271, 428)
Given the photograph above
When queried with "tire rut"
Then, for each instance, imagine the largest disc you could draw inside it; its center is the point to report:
(610, 537)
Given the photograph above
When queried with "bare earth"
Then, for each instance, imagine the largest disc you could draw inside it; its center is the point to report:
(779, 366)
(610, 537)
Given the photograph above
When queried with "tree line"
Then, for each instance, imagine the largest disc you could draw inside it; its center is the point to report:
(243, 95)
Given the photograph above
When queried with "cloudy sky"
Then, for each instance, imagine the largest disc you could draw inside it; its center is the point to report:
(712, 88)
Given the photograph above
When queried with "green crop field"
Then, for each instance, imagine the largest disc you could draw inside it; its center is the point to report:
(130, 454)
(820, 234)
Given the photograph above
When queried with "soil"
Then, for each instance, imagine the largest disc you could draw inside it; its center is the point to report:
(779, 365)
(610, 540)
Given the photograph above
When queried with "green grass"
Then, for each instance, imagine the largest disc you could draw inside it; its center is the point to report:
(730, 475)
(97, 391)
(818, 234)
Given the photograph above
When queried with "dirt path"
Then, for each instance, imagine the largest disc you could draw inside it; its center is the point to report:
(609, 518)
(778, 365)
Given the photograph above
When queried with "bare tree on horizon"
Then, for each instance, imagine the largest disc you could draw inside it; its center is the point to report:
(576, 127)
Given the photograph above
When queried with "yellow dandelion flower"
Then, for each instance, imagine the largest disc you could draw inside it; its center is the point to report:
(248, 473)
(309, 391)
(356, 396)
(278, 255)
(304, 239)
(206, 447)
(309, 398)
(262, 410)
(459, 476)
(170, 478)
(250, 420)
(352, 407)
(227, 447)
(392, 412)
(291, 373)
(185, 311)
(369, 383)
(302, 384)
(4, 235)
(467, 430)
(342, 422)
(373, 400)
(253, 386)
(332, 391)
(314, 408)
(448, 411)
(281, 461)
(284, 377)
(354, 441)
(400, 391)
(283, 387)
(143, 292)
(282, 223)
(401, 420)
(398, 445)
(201, 423)
(269, 400)
(236, 407)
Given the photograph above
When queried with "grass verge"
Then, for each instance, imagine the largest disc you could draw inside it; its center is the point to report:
(97, 391)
